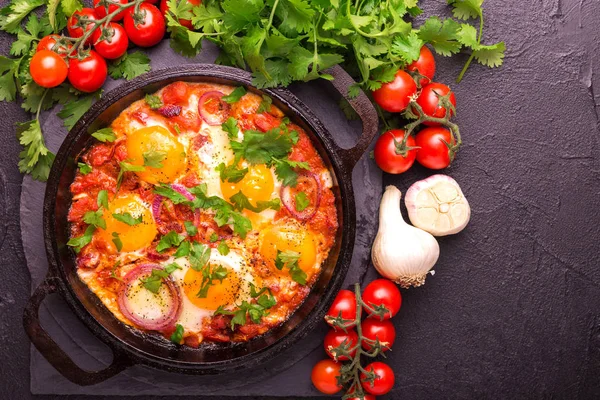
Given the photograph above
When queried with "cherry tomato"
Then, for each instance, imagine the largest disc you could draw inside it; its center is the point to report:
(429, 101)
(324, 376)
(388, 152)
(373, 328)
(100, 9)
(383, 383)
(365, 397)
(336, 338)
(89, 74)
(150, 31)
(343, 306)
(77, 31)
(164, 7)
(48, 69)
(383, 292)
(395, 96)
(150, 1)
(433, 152)
(114, 45)
(425, 65)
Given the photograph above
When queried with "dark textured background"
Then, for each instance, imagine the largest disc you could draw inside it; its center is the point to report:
(514, 308)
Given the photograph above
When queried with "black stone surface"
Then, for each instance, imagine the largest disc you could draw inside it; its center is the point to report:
(514, 308)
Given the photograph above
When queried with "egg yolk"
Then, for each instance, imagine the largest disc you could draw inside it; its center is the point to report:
(220, 293)
(256, 185)
(289, 238)
(133, 237)
(159, 150)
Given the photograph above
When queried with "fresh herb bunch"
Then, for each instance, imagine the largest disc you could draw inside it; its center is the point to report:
(23, 19)
(288, 40)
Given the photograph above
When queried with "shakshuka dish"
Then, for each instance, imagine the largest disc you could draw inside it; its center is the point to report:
(202, 213)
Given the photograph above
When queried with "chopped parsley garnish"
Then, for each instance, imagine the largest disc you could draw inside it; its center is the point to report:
(113, 271)
(80, 242)
(208, 276)
(240, 202)
(223, 248)
(127, 218)
(153, 101)
(190, 228)
(234, 96)
(117, 241)
(84, 168)
(105, 135)
(265, 105)
(213, 237)
(127, 167)
(154, 281)
(199, 256)
(154, 159)
(301, 201)
(169, 240)
(290, 259)
(255, 311)
(231, 173)
(183, 249)
(177, 335)
(231, 127)
(102, 199)
(171, 194)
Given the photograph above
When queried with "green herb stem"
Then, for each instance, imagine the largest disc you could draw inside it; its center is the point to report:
(472, 56)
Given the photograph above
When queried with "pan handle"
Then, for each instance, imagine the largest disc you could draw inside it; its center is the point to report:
(365, 110)
(53, 353)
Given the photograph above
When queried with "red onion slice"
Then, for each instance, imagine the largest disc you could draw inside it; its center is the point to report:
(161, 322)
(182, 190)
(212, 109)
(290, 202)
(169, 110)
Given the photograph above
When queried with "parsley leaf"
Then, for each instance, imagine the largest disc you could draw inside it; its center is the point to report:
(265, 105)
(170, 193)
(12, 15)
(177, 335)
(213, 237)
(208, 276)
(491, 56)
(465, 9)
(302, 201)
(9, 70)
(169, 240)
(235, 95)
(102, 199)
(231, 127)
(80, 242)
(153, 101)
(84, 168)
(72, 111)
(199, 256)
(223, 248)
(95, 218)
(190, 228)
(117, 241)
(255, 311)
(127, 218)
(183, 250)
(290, 259)
(441, 35)
(154, 281)
(240, 202)
(284, 169)
(35, 159)
(105, 135)
(129, 66)
(261, 148)
(154, 159)
(231, 173)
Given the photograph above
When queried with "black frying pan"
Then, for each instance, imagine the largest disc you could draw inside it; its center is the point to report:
(132, 347)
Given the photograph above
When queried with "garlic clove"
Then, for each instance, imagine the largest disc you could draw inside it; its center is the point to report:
(437, 205)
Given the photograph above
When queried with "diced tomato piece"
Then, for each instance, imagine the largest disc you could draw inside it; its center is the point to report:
(192, 341)
(121, 151)
(80, 207)
(100, 154)
(188, 121)
(198, 142)
(266, 121)
(191, 179)
(93, 182)
(175, 93)
(141, 116)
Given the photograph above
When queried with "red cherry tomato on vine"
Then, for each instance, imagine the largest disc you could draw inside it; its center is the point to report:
(383, 383)
(429, 101)
(77, 31)
(365, 397)
(336, 338)
(100, 9)
(373, 328)
(387, 151)
(433, 152)
(89, 74)
(48, 69)
(113, 46)
(395, 96)
(164, 7)
(150, 31)
(150, 1)
(343, 306)
(383, 292)
(425, 65)
(324, 376)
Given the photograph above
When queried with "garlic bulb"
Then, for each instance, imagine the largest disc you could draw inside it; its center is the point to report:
(437, 205)
(402, 253)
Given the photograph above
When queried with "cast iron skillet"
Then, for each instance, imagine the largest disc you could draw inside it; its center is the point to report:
(131, 347)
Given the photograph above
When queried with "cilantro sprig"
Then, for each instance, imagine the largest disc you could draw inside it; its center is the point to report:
(255, 311)
(289, 259)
